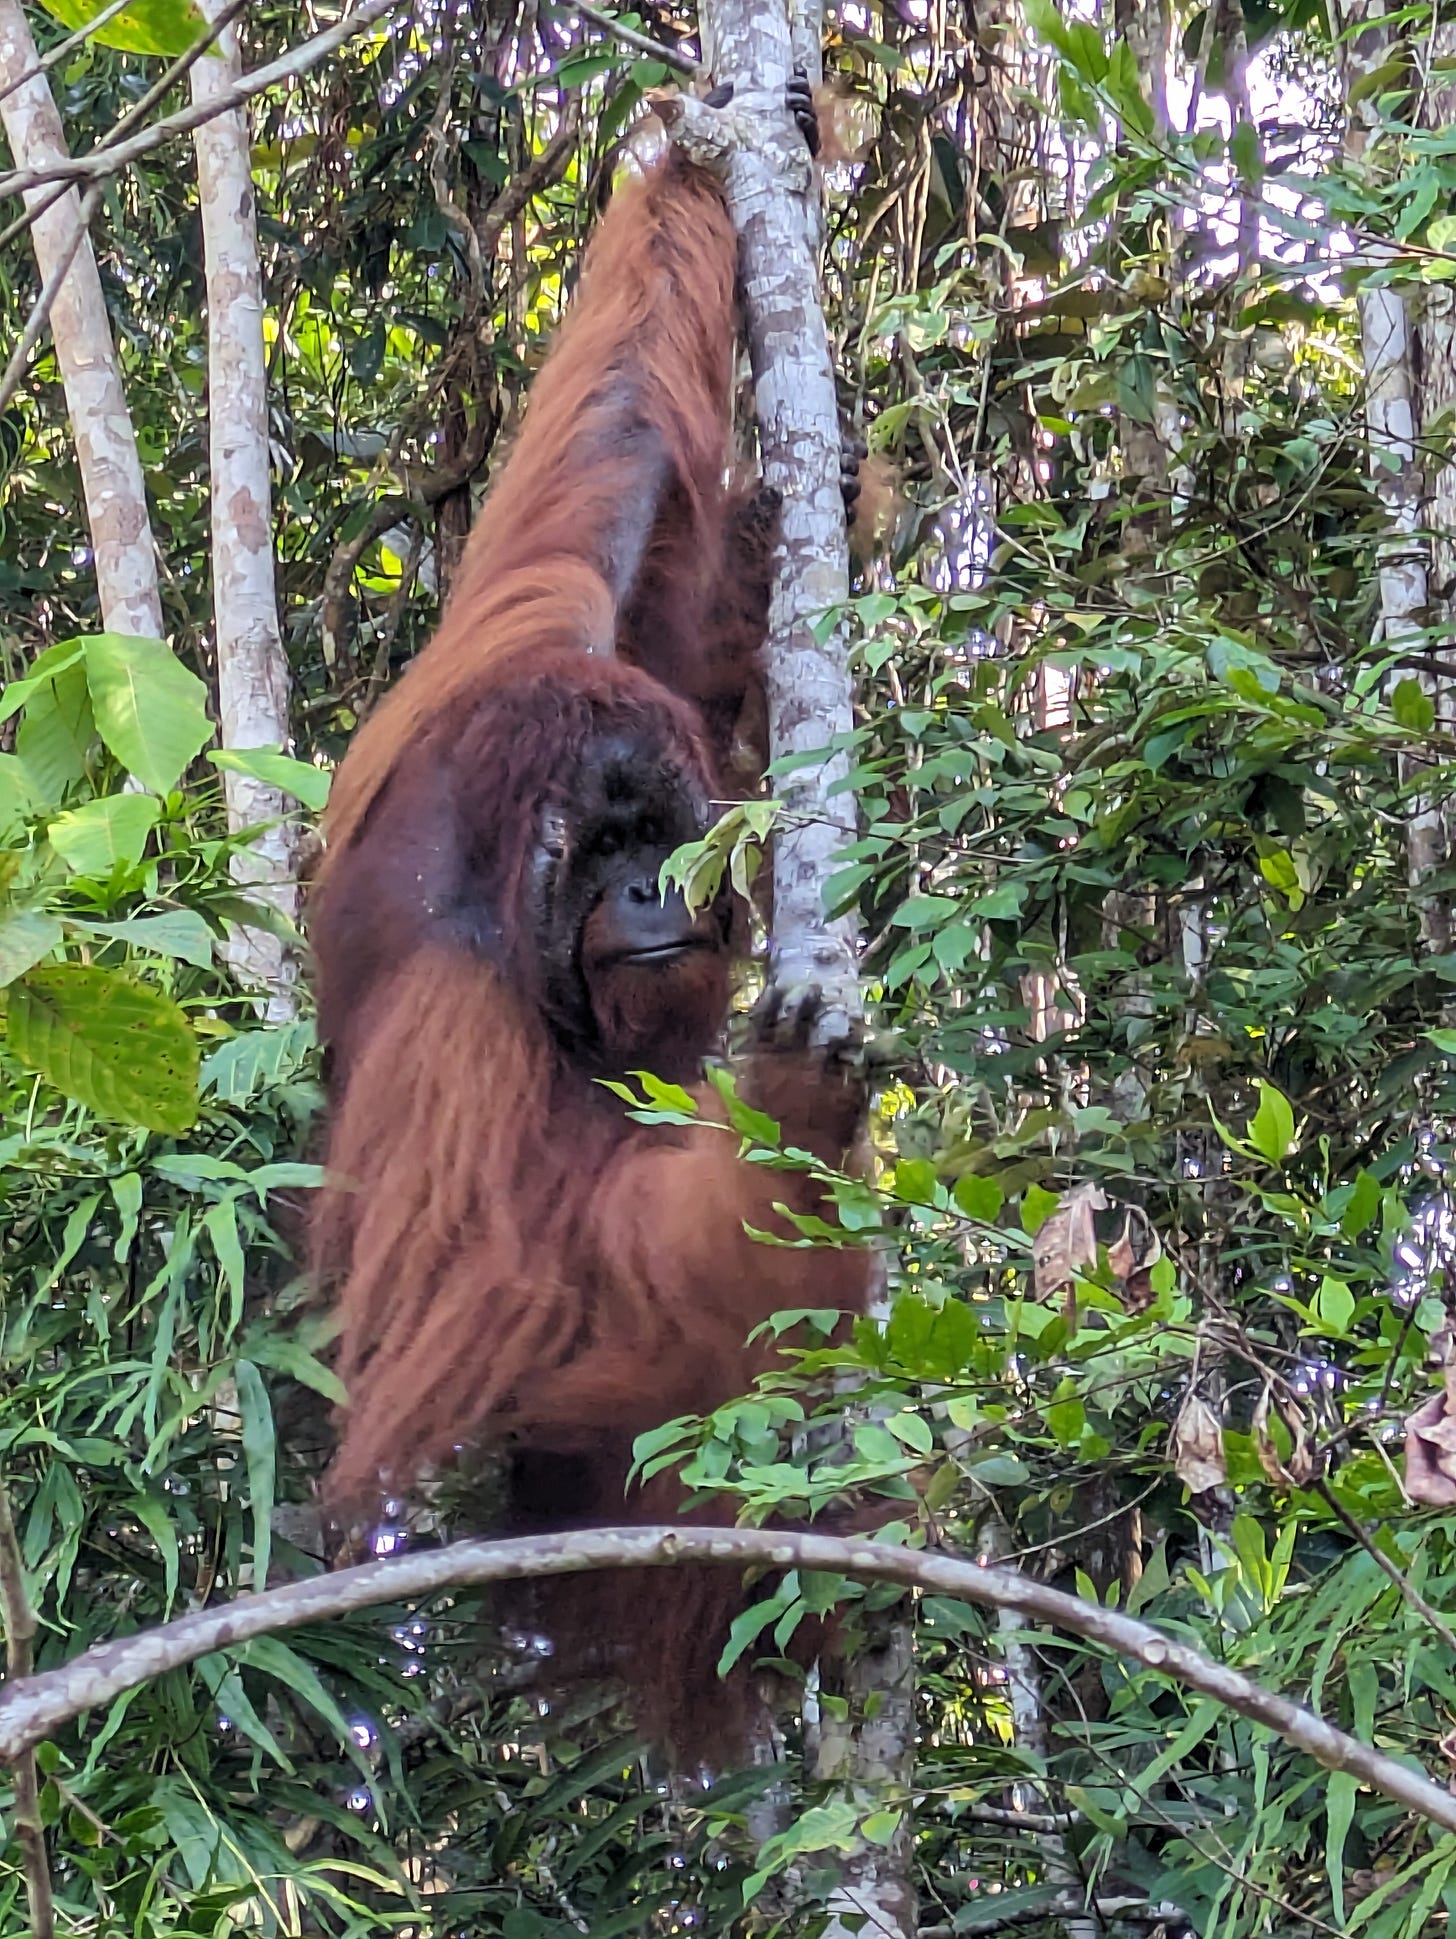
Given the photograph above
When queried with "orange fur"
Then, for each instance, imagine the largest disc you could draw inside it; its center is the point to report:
(513, 1261)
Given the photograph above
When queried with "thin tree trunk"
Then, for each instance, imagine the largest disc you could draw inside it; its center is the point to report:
(772, 193)
(1390, 417)
(106, 452)
(252, 669)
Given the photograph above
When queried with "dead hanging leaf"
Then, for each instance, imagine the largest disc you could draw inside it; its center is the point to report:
(1067, 1241)
(1303, 1462)
(1195, 1447)
(1132, 1256)
(1430, 1447)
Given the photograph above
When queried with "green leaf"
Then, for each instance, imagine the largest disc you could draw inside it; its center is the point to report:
(1412, 706)
(164, 27)
(260, 1454)
(113, 1044)
(158, 1524)
(26, 938)
(150, 711)
(1246, 152)
(45, 670)
(255, 1059)
(180, 933)
(274, 1658)
(220, 1223)
(1335, 1305)
(301, 779)
(1037, 1206)
(913, 1430)
(105, 834)
(1000, 905)
(1271, 1129)
(1226, 657)
(979, 1198)
(17, 796)
(55, 739)
(1362, 1205)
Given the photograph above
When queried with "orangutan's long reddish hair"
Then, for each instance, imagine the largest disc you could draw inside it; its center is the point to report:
(512, 1259)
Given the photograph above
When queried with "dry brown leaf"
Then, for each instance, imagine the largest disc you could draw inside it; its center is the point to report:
(1430, 1447)
(1303, 1462)
(1195, 1447)
(1067, 1240)
(1132, 1256)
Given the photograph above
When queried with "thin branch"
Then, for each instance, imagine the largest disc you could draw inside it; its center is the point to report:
(40, 312)
(546, 170)
(38, 1706)
(19, 1619)
(1409, 1592)
(63, 47)
(137, 112)
(641, 43)
(103, 161)
(989, 1918)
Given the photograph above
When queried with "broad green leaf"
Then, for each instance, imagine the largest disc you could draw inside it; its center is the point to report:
(1362, 1205)
(180, 933)
(150, 711)
(1246, 152)
(916, 1181)
(1335, 1304)
(1271, 1129)
(163, 27)
(979, 1198)
(105, 834)
(55, 739)
(1412, 706)
(26, 938)
(46, 668)
(301, 779)
(113, 1044)
(913, 1430)
(17, 795)
(1037, 1206)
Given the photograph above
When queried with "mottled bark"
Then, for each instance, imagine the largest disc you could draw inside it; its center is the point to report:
(772, 193)
(252, 669)
(1388, 343)
(106, 452)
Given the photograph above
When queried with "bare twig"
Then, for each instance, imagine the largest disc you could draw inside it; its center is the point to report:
(103, 161)
(19, 1620)
(546, 169)
(40, 311)
(1409, 1592)
(989, 1918)
(137, 112)
(38, 1706)
(654, 50)
(63, 47)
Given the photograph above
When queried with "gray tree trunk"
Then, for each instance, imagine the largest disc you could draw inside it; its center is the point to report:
(252, 669)
(106, 451)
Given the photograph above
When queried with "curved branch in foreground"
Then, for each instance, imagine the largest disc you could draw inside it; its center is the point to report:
(37, 1706)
